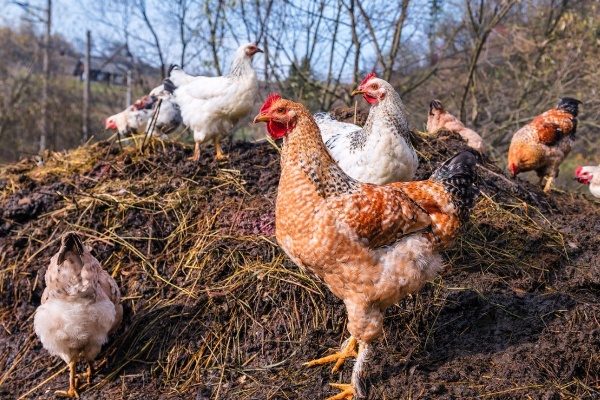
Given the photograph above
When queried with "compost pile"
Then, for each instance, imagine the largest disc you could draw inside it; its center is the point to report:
(215, 310)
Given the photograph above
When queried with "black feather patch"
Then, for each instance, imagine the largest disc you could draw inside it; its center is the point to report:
(459, 176)
(570, 105)
(171, 68)
(169, 85)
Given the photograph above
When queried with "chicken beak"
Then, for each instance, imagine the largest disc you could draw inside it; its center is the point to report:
(357, 91)
(259, 50)
(262, 118)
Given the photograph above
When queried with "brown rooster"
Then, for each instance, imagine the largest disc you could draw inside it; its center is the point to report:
(81, 305)
(543, 144)
(438, 118)
(372, 245)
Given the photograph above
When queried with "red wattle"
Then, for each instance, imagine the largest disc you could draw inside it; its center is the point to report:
(277, 131)
(371, 100)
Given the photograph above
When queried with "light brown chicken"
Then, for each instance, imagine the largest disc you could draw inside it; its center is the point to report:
(372, 245)
(438, 118)
(543, 144)
(81, 306)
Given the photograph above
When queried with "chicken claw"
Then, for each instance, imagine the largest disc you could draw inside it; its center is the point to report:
(220, 156)
(347, 391)
(348, 350)
(72, 392)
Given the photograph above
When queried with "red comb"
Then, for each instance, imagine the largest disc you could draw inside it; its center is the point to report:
(578, 171)
(368, 78)
(273, 97)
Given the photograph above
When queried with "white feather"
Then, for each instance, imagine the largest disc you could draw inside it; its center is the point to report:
(380, 152)
(211, 106)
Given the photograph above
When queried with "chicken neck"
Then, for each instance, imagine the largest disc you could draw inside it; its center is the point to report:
(303, 148)
(241, 67)
(389, 110)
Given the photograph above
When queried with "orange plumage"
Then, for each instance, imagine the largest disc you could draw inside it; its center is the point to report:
(544, 143)
(372, 245)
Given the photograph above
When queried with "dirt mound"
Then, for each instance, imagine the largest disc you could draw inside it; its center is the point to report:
(215, 310)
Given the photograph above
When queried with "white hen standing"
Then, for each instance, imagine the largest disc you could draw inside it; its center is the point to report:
(381, 151)
(80, 307)
(211, 106)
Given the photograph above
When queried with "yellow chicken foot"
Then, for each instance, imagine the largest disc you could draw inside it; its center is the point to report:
(220, 155)
(72, 392)
(348, 350)
(89, 373)
(548, 183)
(357, 388)
(347, 391)
(196, 155)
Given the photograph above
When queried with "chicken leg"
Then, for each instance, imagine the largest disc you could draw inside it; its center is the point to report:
(220, 155)
(196, 155)
(548, 184)
(348, 350)
(72, 392)
(91, 370)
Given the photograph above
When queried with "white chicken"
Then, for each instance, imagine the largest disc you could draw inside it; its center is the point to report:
(380, 152)
(438, 118)
(169, 114)
(211, 106)
(134, 118)
(589, 176)
(137, 117)
(80, 308)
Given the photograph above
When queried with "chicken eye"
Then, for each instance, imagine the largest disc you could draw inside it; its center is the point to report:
(374, 86)
(280, 110)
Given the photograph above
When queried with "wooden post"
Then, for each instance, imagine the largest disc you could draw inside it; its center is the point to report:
(86, 87)
(128, 97)
(46, 79)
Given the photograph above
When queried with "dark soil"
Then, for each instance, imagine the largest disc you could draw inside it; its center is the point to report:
(215, 310)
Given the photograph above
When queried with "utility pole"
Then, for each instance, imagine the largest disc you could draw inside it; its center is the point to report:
(128, 96)
(86, 87)
(46, 78)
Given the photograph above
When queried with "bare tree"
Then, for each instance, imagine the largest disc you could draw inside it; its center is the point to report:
(144, 12)
(482, 22)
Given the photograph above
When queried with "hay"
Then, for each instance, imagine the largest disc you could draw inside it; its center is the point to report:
(213, 308)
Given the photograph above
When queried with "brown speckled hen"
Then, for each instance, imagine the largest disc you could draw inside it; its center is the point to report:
(372, 245)
(543, 144)
(80, 307)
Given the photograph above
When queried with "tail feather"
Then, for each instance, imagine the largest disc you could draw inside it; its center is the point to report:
(569, 104)
(168, 85)
(171, 68)
(459, 176)
(435, 105)
(71, 243)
